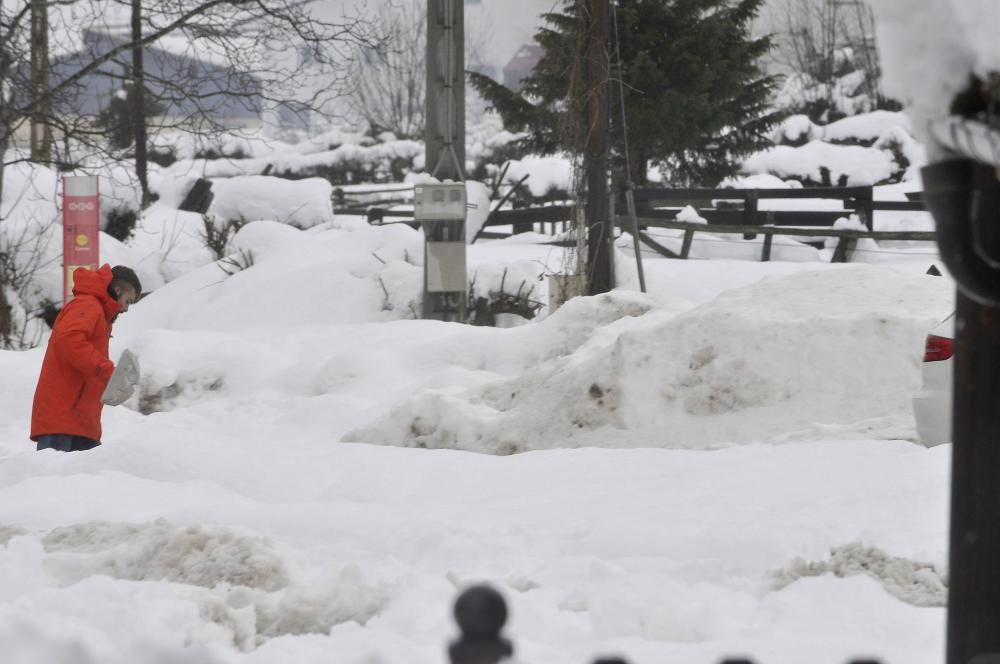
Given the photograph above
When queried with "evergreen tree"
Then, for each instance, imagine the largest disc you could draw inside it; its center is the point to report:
(696, 98)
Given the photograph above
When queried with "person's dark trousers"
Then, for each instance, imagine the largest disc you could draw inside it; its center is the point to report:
(63, 442)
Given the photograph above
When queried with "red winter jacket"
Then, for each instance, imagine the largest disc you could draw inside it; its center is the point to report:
(76, 368)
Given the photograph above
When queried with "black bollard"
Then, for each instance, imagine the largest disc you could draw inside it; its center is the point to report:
(481, 613)
(964, 198)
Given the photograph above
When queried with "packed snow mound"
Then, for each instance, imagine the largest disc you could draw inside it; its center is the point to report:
(914, 582)
(300, 203)
(546, 175)
(184, 368)
(279, 276)
(210, 584)
(836, 347)
(206, 556)
(843, 164)
(865, 128)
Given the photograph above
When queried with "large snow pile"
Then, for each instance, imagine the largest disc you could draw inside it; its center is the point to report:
(764, 362)
(300, 203)
(866, 149)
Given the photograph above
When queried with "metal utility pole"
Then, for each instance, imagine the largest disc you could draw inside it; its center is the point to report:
(964, 197)
(445, 290)
(600, 274)
(445, 105)
(138, 105)
(41, 134)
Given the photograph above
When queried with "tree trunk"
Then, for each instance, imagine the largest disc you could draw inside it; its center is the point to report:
(599, 269)
(5, 312)
(41, 134)
(139, 105)
(637, 166)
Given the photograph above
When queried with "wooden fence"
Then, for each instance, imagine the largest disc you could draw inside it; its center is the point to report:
(727, 211)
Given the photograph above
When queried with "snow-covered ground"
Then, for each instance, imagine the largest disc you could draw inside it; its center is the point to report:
(261, 499)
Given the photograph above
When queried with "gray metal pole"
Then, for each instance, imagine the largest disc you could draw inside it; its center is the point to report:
(444, 133)
(445, 105)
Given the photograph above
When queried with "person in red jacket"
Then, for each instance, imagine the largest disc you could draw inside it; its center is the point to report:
(66, 414)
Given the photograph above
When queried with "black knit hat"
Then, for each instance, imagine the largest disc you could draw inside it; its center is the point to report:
(126, 274)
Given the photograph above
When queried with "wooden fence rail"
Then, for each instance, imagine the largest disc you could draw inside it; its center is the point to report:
(725, 210)
(847, 238)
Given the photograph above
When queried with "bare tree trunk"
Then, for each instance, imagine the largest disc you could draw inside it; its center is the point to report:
(139, 104)
(5, 313)
(41, 134)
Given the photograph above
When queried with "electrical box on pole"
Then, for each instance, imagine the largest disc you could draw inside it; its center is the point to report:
(441, 211)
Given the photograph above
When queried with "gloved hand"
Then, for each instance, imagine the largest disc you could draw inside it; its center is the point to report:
(105, 369)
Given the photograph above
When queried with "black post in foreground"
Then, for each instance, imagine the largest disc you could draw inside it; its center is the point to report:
(964, 198)
(481, 613)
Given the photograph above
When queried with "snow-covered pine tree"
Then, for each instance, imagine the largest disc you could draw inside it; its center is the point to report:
(696, 96)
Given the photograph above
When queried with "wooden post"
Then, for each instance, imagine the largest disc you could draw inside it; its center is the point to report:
(139, 105)
(41, 133)
(750, 212)
(595, 157)
(867, 213)
(765, 254)
(686, 245)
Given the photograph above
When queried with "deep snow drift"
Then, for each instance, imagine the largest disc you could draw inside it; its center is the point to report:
(778, 359)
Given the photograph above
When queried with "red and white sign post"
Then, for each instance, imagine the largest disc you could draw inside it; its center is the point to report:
(81, 227)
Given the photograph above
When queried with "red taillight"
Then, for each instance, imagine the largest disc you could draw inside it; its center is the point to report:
(938, 348)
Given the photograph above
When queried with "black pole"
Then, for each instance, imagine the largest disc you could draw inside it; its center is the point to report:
(964, 198)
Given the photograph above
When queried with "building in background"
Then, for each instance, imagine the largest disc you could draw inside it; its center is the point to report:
(519, 67)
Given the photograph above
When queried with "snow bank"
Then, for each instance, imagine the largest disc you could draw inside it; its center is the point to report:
(167, 244)
(866, 127)
(914, 582)
(755, 364)
(300, 203)
(545, 174)
(854, 164)
(284, 277)
(160, 551)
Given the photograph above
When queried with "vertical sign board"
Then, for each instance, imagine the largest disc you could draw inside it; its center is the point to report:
(81, 227)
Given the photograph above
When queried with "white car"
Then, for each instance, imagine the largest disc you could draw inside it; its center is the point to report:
(932, 405)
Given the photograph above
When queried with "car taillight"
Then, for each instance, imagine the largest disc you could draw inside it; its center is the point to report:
(938, 348)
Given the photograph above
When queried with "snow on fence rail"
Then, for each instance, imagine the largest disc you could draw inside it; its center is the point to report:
(481, 614)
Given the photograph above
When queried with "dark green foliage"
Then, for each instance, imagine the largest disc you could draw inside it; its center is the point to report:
(212, 153)
(121, 223)
(696, 99)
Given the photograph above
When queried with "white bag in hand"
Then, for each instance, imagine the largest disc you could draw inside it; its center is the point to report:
(123, 380)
